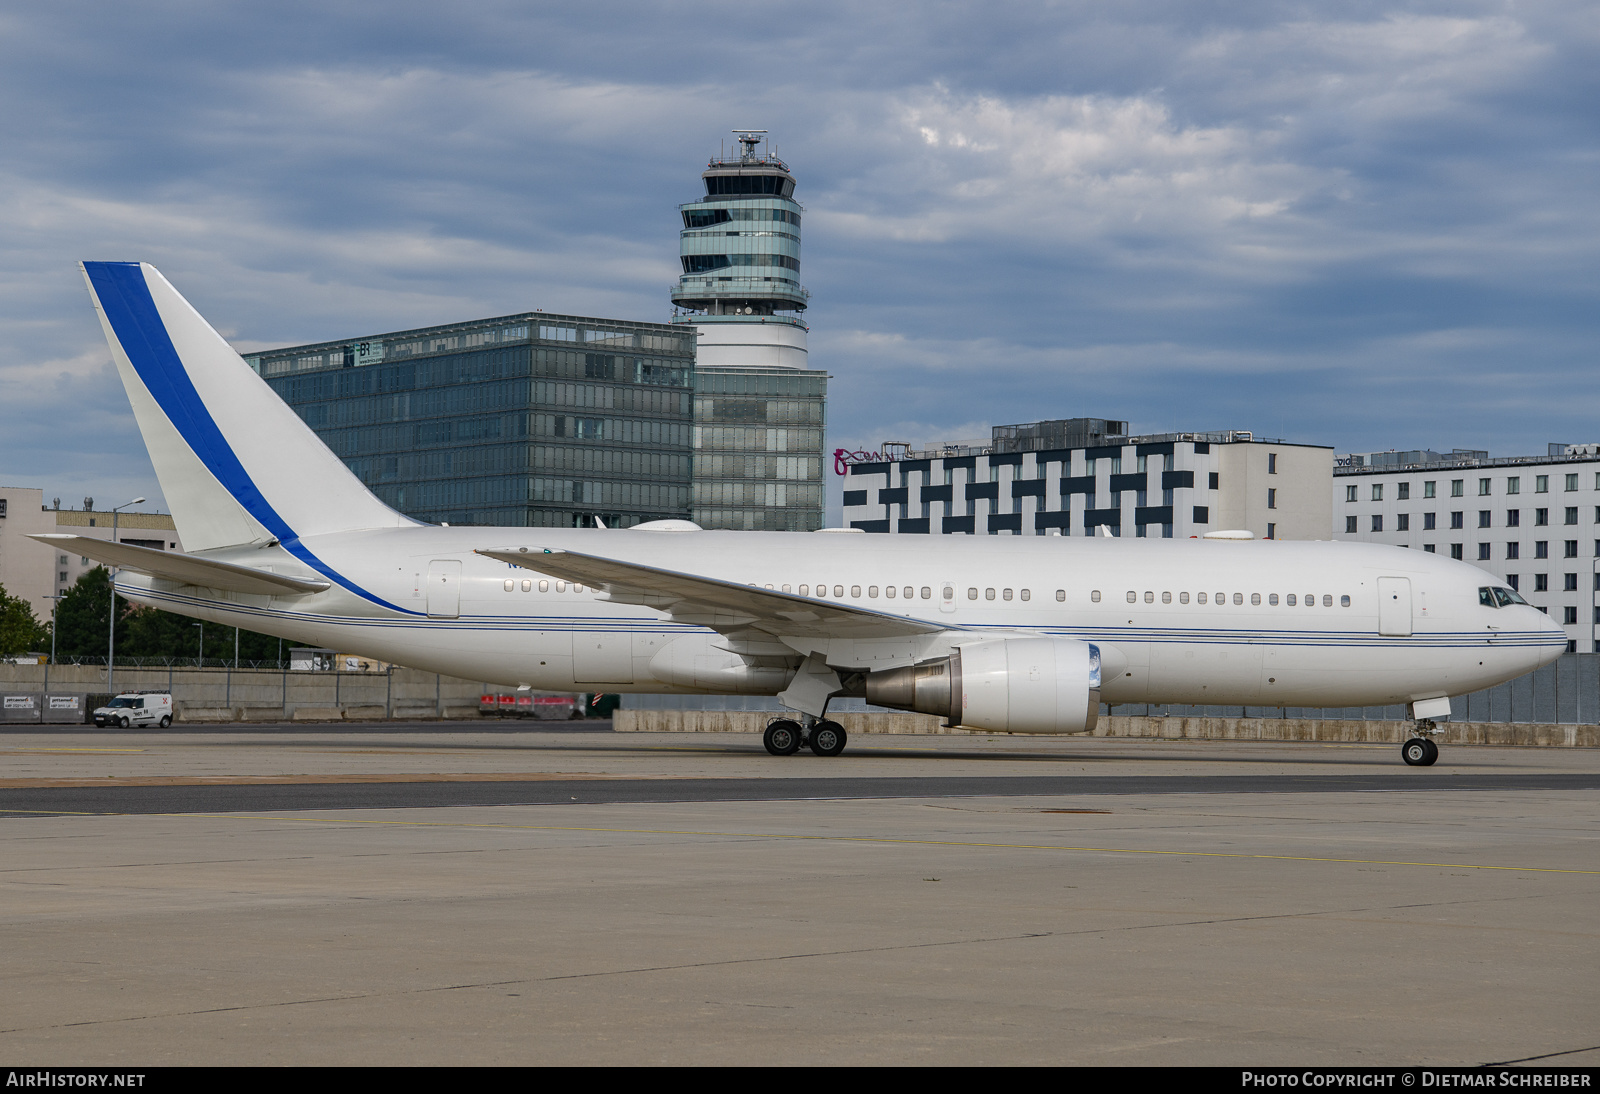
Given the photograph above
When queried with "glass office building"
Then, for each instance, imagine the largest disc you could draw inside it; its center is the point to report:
(758, 409)
(536, 420)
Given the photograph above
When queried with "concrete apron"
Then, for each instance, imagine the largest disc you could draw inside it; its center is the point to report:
(1198, 729)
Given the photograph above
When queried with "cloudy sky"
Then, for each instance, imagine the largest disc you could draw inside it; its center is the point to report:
(1361, 225)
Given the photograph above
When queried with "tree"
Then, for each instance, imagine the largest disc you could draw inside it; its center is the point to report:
(82, 615)
(20, 632)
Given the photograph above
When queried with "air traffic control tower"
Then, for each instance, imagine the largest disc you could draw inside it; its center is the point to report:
(759, 408)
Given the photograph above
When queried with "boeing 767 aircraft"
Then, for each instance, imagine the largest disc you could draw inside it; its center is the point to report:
(1017, 635)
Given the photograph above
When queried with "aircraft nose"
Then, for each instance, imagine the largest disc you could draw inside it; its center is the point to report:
(1549, 628)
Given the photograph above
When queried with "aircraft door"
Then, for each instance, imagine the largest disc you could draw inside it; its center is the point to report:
(444, 588)
(947, 596)
(1394, 605)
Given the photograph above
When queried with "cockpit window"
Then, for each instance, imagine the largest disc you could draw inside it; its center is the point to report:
(1498, 597)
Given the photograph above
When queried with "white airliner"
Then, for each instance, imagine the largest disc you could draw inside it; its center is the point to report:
(1020, 635)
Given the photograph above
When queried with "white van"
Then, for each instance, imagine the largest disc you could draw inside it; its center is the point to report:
(136, 708)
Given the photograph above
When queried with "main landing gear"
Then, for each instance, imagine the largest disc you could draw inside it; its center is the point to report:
(785, 736)
(1420, 751)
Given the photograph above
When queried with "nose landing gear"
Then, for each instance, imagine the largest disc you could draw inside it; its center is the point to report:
(1420, 751)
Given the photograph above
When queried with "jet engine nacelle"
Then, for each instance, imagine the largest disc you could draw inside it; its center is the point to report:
(1010, 685)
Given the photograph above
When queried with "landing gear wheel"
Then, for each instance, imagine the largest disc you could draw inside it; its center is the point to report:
(1419, 752)
(782, 738)
(1433, 754)
(827, 738)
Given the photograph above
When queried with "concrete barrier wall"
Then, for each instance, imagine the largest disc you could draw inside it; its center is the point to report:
(1199, 729)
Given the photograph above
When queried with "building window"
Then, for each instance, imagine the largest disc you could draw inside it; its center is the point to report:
(1483, 487)
(1457, 487)
(1514, 485)
(1428, 489)
(1513, 518)
(1571, 514)
(1513, 550)
(1483, 518)
(1429, 521)
(1572, 482)
(1455, 551)
(1202, 515)
(1349, 528)
(1377, 522)
(1456, 520)
(1212, 481)
(1427, 548)
(1404, 491)
(1570, 549)
(1483, 552)
(1514, 581)
(1569, 583)
(1272, 464)
(1402, 523)
(1272, 503)
(1541, 484)
(1272, 532)
(1541, 549)
(1350, 494)
(1377, 491)
(1541, 583)
(1541, 517)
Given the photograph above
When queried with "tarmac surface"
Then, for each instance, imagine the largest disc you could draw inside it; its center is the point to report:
(509, 893)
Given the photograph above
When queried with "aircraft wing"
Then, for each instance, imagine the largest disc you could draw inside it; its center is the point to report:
(723, 606)
(189, 569)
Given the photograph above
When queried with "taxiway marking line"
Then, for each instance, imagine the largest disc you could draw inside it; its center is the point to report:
(832, 839)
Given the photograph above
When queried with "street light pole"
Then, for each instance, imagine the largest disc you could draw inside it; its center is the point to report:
(56, 603)
(111, 642)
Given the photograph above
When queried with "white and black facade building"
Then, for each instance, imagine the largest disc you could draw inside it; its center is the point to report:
(1158, 486)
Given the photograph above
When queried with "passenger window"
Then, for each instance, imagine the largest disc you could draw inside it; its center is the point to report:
(855, 591)
(1327, 601)
(544, 586)
(1166, 598)
(805, 590)
(577, 588)
(527, 585)
(1344, 602)
(561, 586)
(1025, 594)
(872, 592)
(1061, 595)
(1238, 598)
(1255, 600)
(1222, 598)
(1289, 600)
(1272, 599)
(1133, 597)
(786, 588)
(889, 591)
(1183, 598)
(988, 594)
(510, 585)
(972, 594)
(1200, 598)
(1149, 597)
(838, 591)
(927, 593)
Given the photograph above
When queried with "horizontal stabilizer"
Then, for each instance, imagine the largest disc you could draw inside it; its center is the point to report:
(189, 569)
(723, 606)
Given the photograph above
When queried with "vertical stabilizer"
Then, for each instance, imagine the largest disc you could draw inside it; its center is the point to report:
(235, 463)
